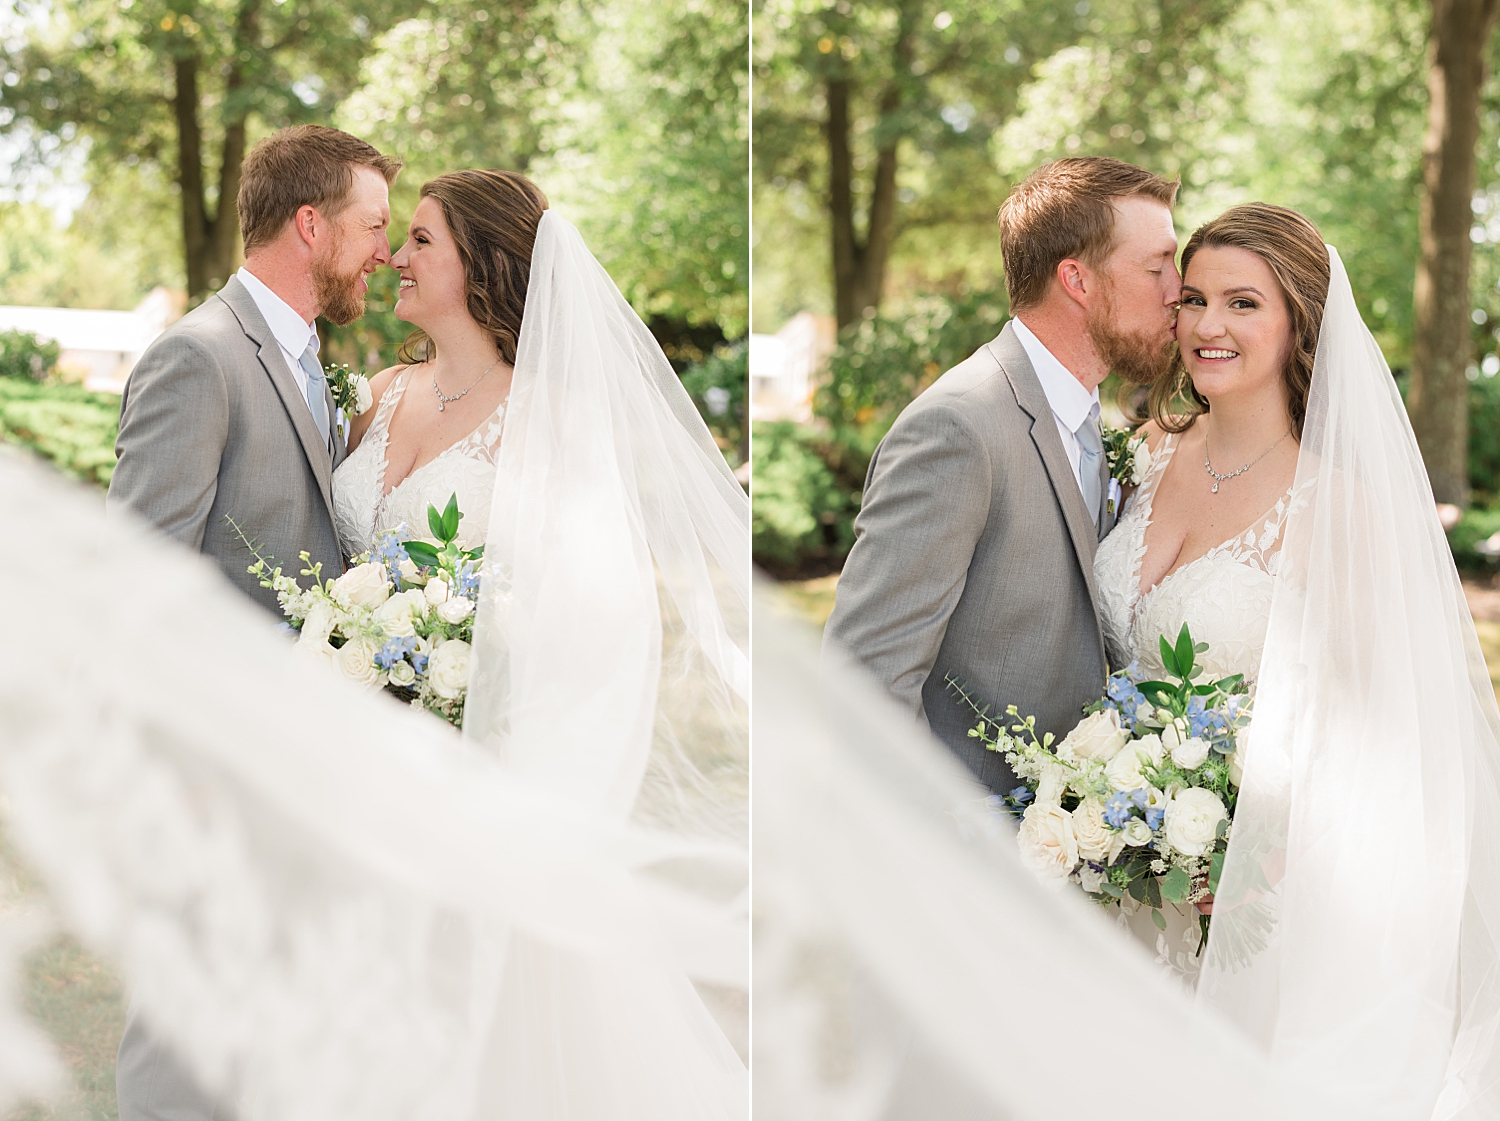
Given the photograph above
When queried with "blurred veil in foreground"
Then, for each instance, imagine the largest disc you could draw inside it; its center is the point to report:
(907, 966)
(327, 903)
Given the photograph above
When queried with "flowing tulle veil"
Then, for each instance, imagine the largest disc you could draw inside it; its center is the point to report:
(1357, 923)
(326, 903)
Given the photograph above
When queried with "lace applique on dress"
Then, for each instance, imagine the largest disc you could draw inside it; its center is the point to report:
(363, 509)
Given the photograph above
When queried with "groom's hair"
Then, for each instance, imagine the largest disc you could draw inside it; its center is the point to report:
(1064, 209)
(307, 165)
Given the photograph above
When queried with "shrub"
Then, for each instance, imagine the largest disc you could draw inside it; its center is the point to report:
(718, 387)
(66, 424)
(803, 521)
(24, 355)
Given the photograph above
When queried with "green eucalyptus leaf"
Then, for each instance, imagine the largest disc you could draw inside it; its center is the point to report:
(1159, 919)
(1137, 888)
(1175, 886)
(1111, 889)
(1215, 870)
(1153, 891)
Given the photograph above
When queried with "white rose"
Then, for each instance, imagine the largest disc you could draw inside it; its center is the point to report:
(1170, 738)
(1050, 785)
(1136, 833)
(1097, 736)
(418, 602)
(1236, 771)
(1192, 820)
(356, 661)
(1153, 746)
(318, 625)
(363, 397)
(394, 616)
(402, 674)
(1094, 838)
(318, 652)
(436, 590)
(1124, 770)
(1140, 462)
(1047, 844)
(1190, 753)
(448, 670)
(1237, 760)
(364, 586)
(455, 610)
(408, 570)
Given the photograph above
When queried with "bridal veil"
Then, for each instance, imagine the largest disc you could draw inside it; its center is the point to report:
(327, 903)
(1356, 931)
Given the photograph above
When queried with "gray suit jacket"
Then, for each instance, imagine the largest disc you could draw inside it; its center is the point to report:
(974, 556)
(212, 423)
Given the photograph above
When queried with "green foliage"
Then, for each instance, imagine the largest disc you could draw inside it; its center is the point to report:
(66, 424)
(1484, 440)
(803, 515)
(719, 388)
(24, 355)
(1475, 526)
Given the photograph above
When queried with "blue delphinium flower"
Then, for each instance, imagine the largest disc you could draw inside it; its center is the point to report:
(390, 552)
(1122, 696)
(1119, 810)
(1154, 816)
(394, 650)
(466, 579)
(287, 629)
(419, 661)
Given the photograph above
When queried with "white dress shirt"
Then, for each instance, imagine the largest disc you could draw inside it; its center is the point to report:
(293, 333)
(1071, 403)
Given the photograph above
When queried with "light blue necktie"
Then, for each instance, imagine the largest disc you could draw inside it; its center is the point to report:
(316, 398)
(1090, 463)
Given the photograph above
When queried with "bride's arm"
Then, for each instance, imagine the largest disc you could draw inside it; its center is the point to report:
(359, 425)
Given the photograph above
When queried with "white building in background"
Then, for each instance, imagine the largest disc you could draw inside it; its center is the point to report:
(784, 367)
(99, 348)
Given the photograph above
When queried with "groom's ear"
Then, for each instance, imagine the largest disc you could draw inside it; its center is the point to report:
(309, 224)
(1077, 281)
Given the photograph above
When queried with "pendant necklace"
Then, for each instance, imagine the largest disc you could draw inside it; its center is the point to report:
(444, 402)
(1218, 478)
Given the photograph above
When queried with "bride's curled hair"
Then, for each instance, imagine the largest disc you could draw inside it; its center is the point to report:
(1294, 251)
(493, 216)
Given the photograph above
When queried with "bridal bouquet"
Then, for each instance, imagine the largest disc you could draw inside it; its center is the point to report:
(401, 618)
(1138, 798)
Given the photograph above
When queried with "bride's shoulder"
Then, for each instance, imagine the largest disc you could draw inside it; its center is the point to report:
(380, 382)
(1155, 433)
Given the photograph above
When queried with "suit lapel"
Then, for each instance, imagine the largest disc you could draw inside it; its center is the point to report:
(242, 304)
(1011, 355)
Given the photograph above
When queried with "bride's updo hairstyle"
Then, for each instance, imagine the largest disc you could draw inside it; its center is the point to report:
(493, 216)
(1294, 251)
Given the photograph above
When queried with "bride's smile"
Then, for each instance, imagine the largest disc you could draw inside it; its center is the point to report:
(1233, 325)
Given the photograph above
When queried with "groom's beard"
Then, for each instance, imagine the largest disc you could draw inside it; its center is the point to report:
(342, 298)
(1138, 358)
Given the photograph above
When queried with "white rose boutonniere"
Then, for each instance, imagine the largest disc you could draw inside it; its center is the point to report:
(350, 388)
(1128, 460)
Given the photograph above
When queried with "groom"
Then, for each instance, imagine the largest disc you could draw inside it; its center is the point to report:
(228, 414)
(974, 546)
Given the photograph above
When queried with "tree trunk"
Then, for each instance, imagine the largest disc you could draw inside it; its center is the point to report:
(196, 233)
(1442, 349)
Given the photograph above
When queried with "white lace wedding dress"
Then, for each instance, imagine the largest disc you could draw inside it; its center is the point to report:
(1224, 597)
(364, 509)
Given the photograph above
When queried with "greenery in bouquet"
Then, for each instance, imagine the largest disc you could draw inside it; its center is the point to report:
(401, 618)
(1138, 799)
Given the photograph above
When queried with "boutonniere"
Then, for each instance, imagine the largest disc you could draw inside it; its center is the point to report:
(1128, 458)
(350, 389)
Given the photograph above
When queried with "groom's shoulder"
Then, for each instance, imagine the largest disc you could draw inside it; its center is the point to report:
(976, 385)
(204, 332)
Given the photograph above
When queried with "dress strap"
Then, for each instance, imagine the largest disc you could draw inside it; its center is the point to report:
(388, 402)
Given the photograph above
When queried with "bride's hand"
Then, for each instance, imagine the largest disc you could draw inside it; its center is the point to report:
(1205, 905)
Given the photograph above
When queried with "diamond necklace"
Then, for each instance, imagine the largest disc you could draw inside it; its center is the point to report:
(444, 402)
(1218, 478)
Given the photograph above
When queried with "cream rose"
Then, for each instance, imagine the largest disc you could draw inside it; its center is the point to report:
(1050, 786)
(1190, 753)
(1047, 844)
(436, 591)
(455, 610)
(1097, 736)
(320, 652)
(364, 586)
(1236, 771)
(1124, 770)
(364, 397)
(1136, 833)
(1094, 838)
(394, 616)
(356, 661)
(402, 674)
(1192, 821)
(448, 669)
(418, 599)
(318, 625)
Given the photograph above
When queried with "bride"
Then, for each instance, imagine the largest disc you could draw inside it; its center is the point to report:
(1287, 519)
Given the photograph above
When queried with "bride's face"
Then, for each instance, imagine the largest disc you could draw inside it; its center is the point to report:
(1233, 325)
(433, 284)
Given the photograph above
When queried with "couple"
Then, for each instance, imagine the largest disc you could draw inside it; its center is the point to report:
(1286, 518)
(616, 553)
